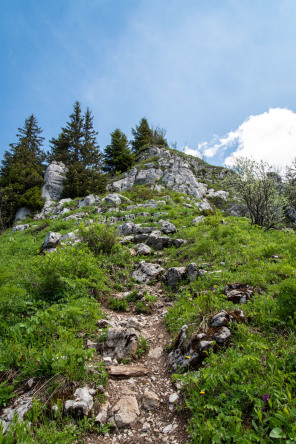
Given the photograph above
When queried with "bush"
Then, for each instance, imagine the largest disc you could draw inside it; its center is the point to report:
(287, 299)
(69, 272)
(117, 304)
(99, 237)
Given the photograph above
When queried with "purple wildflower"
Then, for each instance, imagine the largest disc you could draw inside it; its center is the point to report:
(265, 399)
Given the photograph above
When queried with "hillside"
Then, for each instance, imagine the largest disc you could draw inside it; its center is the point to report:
(147, 314)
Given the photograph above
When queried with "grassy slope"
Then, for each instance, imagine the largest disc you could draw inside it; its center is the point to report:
(50, 303)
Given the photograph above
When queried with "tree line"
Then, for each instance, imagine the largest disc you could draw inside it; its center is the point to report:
(24, 163)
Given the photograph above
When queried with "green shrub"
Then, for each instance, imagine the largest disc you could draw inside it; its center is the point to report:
(99, 237)
(117, 304)
(287, 299)
(71, 272)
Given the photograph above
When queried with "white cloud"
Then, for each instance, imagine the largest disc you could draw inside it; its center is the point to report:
(270, 136)
(191, 152)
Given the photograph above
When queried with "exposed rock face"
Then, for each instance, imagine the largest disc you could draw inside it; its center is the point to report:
(20, 407)
(53, 181)
(22, 213)
(89, 200)
(20, 228)
(146, 272)
(239, 293)
(171, 170)
(52, 239)
(81, 405)
(190, 352)
(119, 343)
(175, 275)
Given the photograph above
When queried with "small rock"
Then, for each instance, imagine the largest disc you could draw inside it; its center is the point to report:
(52, 239)
(150, 400)
(167, 227)
(102, 416)
(126, 411)
(173, 398)
(155, 353)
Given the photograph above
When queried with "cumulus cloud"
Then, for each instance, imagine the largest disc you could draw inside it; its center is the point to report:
(191, 152)
(270, 136)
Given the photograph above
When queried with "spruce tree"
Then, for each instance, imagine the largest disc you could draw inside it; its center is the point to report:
(118, 156)
(21, 172)
(78, 148)
(143, 135)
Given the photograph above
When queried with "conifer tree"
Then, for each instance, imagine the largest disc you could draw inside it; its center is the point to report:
(144, 135)
(78, 148)
(118, 156)
(21, 172)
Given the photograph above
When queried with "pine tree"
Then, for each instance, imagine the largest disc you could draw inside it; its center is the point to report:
(118, 156)
(21, 172)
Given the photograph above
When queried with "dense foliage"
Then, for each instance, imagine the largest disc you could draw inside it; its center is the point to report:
(77, 147)
(21, 173)
(145, 135)
(118, 157)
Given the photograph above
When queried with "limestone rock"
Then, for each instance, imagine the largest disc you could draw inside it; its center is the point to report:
(198, 220)
(143, 250)
(119, 343)
(102, 416)
(175, 275)
(147, 272)
(20, 407)
(53, 181)
(89, 200)
(22, 213)
(127, 371)
(81, 405)
(126, 411)
(52, 239)
(20, 228)
(150, 400)
(204, 206)
(168, 228)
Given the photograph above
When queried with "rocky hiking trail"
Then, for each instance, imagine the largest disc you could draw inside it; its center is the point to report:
(141, 399)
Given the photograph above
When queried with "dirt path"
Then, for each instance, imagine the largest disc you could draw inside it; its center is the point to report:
(157, 419)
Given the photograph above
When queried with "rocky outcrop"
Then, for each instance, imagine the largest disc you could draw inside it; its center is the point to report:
(81, 405)
(146, 272)
(170, 170)
(22, 213)
(190, 352)
(119, 343)
(174, 275)
(53, 181)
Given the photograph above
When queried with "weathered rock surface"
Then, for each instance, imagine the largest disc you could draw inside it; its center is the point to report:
(20, 228)
(53, 181)
(81, 405)
(52, 240)
(89, 200)
(143, 250)
(150, 400)
(168, 228)
(127, 371)
(239, 293)
(172, 170)
(119, 343)
(126, 412)
(22, 213)
(146, 272)
(102, 416)
(190, 352)
(20, 407)
(175, 275)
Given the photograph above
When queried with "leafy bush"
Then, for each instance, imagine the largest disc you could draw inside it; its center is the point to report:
(117, 304)
(99, 237)
(287, 299)
(70, 272)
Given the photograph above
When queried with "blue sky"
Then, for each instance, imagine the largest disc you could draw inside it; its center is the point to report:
(198, 68)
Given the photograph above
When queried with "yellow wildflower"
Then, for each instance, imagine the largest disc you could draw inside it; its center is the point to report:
(202, 392)
(187, 357)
